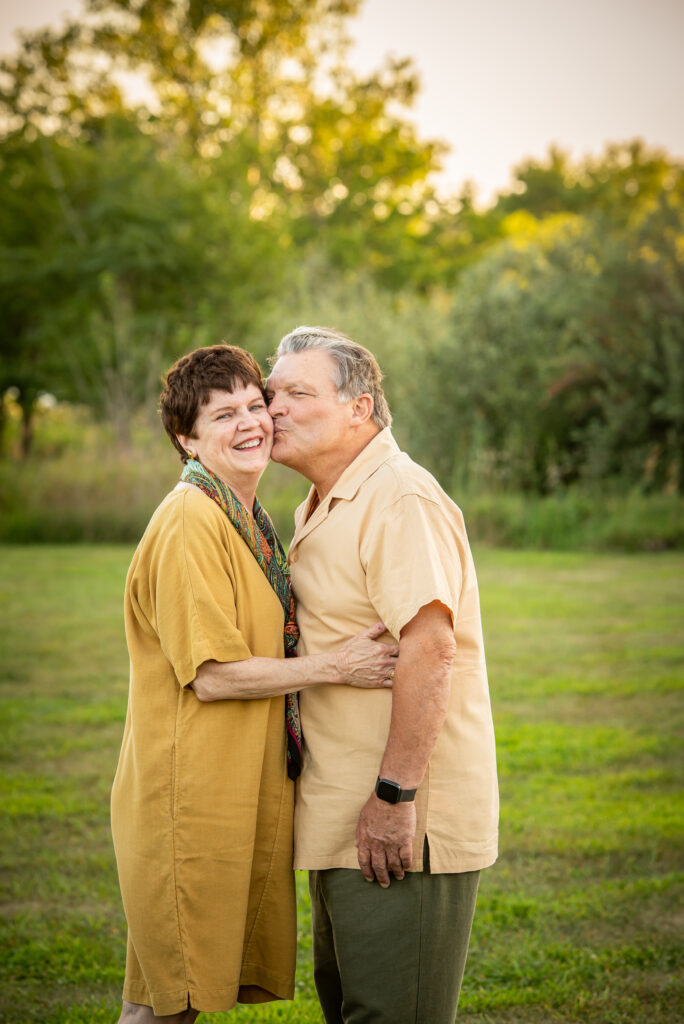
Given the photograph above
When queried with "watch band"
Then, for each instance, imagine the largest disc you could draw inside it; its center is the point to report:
(392, 793)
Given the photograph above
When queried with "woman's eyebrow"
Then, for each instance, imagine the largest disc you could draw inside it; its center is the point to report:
(221, 408)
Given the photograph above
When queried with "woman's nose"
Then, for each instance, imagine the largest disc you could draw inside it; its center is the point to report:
(248, 419)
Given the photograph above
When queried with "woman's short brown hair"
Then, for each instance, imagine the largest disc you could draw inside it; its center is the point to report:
(190, 381)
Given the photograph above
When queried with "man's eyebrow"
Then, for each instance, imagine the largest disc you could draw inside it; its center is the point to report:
(289, 384)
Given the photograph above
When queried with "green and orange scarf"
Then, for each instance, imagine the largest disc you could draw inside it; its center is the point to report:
(260, 537)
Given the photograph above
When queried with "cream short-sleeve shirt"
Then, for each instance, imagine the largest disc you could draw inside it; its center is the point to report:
(384, 542)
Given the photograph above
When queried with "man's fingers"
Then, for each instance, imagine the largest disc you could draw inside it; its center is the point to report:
(364, 859)
(379, 863)
(406, 856)
(394, 863)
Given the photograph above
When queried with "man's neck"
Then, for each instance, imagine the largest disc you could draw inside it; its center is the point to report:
(328, 474)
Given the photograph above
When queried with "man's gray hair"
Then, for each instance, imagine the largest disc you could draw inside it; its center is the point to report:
(356, 369)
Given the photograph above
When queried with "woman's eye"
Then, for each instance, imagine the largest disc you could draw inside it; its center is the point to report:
(258, 406)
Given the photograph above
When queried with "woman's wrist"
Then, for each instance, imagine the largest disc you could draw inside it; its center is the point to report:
(331, 668)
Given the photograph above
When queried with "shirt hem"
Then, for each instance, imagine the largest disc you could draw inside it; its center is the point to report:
(455, 863)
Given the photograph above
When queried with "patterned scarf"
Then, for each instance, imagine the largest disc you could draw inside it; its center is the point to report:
(260, 537)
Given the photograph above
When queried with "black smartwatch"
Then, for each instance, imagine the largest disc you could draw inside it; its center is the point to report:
(392, 793)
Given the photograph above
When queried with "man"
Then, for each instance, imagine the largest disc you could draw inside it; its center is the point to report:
(398, 787)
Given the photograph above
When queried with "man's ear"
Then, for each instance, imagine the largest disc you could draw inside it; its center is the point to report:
(362, 409)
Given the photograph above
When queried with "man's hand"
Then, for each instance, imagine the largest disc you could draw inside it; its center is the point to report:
(384, 838)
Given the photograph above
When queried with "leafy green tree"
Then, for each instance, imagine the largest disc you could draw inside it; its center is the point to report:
(619, 183)
(113, 260)
(564, 361)
(326, 151)
(202, 69)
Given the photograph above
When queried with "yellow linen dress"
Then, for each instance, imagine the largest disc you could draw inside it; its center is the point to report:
(201, 802)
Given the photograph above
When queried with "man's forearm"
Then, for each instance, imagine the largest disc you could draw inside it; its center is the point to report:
(420, 698)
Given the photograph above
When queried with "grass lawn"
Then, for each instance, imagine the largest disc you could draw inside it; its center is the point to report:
(581, 919)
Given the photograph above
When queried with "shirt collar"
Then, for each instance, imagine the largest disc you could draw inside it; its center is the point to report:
(381, 448)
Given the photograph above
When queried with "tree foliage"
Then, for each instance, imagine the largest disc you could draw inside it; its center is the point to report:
(564, 360)
(180, 171)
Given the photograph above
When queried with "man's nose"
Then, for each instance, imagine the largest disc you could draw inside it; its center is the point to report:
(275, 406)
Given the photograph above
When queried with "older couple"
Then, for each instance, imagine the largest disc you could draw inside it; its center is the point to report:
(383, 718)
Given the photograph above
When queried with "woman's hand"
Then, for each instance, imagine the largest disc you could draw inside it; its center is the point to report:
(364, 662)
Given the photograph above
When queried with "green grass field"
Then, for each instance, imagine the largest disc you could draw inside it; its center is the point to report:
(581, 919)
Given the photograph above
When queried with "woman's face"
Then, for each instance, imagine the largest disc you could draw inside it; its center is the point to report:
(233, 435)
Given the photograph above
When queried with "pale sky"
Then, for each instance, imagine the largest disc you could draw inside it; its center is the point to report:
(503, 79)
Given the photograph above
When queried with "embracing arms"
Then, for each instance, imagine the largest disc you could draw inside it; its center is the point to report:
(361, 661)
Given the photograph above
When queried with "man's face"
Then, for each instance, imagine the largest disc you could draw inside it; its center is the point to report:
(310, 423)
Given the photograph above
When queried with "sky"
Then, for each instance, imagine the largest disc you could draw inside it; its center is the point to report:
(502, 80)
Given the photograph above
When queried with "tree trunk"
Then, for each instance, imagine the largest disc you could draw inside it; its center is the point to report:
(26, 428)
(3, 426)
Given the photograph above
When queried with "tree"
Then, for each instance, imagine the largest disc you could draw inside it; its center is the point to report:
(564, 361)
(113, 260)
(330, 153)
(619, 183)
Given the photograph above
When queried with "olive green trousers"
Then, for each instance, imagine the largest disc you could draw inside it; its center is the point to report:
(391, 956)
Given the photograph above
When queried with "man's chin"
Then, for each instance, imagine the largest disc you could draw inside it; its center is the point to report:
(279, 454)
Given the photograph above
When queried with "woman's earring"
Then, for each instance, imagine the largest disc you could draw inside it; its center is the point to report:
(191, 455)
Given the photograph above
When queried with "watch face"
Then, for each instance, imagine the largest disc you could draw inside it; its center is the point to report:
(388, 791)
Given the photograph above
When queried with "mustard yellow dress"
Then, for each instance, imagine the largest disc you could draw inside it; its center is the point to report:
(201, 802)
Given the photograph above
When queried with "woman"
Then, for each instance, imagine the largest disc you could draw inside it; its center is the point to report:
(202, 801)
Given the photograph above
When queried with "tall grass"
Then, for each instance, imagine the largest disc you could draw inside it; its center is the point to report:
(82, 484)
(575, 520)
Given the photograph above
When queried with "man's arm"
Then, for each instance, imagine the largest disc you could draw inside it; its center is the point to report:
(420, 698)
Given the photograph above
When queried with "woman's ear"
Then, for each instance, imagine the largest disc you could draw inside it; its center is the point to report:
(186, 444)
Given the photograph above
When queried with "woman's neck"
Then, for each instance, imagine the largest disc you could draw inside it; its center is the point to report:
(244, 490)
(245, 497)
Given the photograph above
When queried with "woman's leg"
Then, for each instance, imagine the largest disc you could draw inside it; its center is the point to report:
(137, 1013)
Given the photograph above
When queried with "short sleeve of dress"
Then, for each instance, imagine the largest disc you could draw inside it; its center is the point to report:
(411, 557)
(190, 589)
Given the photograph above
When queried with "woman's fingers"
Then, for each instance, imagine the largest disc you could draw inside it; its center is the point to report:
(366, 662)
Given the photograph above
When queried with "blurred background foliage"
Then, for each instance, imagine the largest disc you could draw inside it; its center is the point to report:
(179, 172)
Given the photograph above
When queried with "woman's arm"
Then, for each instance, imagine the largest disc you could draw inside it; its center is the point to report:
(362, 662)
